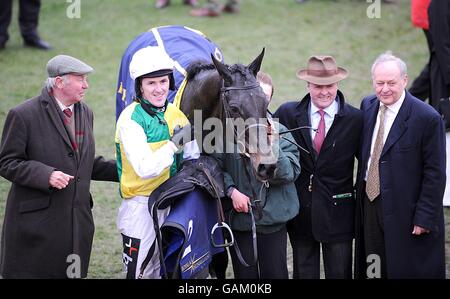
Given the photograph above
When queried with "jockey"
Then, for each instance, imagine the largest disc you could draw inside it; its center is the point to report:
(151, 136)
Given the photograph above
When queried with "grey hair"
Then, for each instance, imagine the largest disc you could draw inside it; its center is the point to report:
(388, 56)
(51, 81)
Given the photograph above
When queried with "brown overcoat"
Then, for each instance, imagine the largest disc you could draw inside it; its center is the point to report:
(44, 226)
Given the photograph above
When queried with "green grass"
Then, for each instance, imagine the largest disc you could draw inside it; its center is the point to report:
(290, 33)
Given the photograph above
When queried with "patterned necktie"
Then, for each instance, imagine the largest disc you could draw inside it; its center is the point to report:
(373, 176)
(320, 134)
(68, 112)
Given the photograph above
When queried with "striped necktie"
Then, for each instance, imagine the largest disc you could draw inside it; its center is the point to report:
(68, 112)
(373, 176)
(320, 134)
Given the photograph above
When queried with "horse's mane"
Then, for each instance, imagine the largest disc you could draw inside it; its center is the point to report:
(198, 66)
(201, 65)
(238, 68)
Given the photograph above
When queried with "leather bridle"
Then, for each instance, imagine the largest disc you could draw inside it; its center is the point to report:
(256, 203)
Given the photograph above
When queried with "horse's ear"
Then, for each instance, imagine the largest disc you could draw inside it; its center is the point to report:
(222, 69)
(255, 66)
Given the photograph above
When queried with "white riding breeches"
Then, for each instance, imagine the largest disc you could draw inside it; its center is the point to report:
(135, 224)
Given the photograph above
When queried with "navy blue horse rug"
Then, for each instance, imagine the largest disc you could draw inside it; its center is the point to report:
(193, 230)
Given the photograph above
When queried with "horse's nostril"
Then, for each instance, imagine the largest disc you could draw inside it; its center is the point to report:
(260, 168)
(271, 169)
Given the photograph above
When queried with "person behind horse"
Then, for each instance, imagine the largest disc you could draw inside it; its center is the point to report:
(325, 185)
(279, 204)
(266, 83)
(159, 4)
(214, 8)
(439, 12)
(421, 86)
(28, 23)
(150, 134)
(219, 262)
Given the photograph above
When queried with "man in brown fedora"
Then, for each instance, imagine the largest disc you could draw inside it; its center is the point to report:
(328, 134)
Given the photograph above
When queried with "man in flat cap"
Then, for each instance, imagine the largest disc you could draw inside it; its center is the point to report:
(47, 152)
(328, 131)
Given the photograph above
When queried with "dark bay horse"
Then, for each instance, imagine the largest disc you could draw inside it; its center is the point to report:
(229, 93)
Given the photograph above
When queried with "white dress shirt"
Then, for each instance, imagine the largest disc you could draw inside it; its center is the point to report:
(389, 118)
(62, 106)
(329, 114)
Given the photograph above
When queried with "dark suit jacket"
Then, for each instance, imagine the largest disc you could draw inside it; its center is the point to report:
(412, 183)
(43, 225)
(328, 219)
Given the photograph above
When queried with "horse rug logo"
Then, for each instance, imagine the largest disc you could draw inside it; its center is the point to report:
(186, 231)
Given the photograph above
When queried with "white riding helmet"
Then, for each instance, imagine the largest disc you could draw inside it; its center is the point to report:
(149, 60)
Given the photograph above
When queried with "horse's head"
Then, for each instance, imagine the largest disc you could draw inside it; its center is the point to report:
(245, 107)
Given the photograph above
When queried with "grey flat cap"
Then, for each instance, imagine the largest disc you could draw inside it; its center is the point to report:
(65, 64)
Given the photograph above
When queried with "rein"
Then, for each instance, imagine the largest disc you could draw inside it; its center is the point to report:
(297, 129)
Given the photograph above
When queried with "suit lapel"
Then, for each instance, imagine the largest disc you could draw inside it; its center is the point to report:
(51, 109)
(399, 126)
(329, 137)
(302, 117)
(369, 125)
(329, 140)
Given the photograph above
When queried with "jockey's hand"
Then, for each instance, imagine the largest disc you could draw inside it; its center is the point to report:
(240, 201)
(182, 135)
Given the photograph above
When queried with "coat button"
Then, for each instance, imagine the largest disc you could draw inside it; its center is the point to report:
(71, 155)
(78, 179)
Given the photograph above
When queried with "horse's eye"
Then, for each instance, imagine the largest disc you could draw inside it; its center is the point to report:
(234, 109)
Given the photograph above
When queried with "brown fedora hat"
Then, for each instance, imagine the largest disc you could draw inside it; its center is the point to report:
(322, 70)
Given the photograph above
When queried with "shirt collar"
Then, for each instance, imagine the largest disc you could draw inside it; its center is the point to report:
(396, 106)
(330, 110)
(62, 106)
